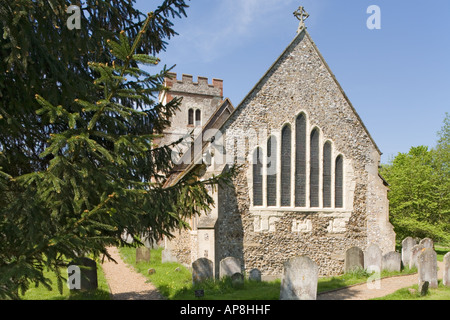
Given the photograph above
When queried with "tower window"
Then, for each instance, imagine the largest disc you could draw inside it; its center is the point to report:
(198, 117)
(191, 117)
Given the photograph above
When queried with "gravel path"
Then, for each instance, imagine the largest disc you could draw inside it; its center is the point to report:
(125, 283)
(387, 286)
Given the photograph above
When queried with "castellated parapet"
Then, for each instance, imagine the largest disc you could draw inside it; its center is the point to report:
(187, 86)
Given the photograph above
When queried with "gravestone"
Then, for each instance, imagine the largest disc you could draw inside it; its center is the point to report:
(300, 278)
(142, 255)
(202, 269)
(427, 243)
(254, 275)
(148, 242)
(167, 256)
(128, 238)
(373, 258)
(427, 267)
(354, 259)
(415, 251)
(237, 280)
(446, 278)
(84, 275)
(392, 261)
(229, 266)
(407, 245)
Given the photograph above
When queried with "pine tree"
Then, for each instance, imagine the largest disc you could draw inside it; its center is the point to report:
(102, 175)
(40, 55)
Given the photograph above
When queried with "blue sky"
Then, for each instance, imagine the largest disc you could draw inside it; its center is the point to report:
(397, 78)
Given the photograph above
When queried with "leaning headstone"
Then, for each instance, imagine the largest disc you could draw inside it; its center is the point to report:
(446, 277)
(354, 259)
(237, 280)
(142, 255)
(427, 243)
(167, 256)
(415, 251)
(372, 258)
(300, 278)
(82, 274)
(254, 275)
(229, 266)
(202, 269)
(391, 261)
(427, 268)
(407, 245)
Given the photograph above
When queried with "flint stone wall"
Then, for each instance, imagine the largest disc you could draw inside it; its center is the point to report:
(264, 238)
(300, 82)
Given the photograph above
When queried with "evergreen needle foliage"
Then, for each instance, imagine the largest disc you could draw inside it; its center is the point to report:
(87, 168)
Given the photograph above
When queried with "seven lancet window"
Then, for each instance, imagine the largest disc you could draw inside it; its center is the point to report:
(314, 184)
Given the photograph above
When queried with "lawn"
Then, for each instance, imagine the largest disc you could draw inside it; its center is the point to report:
(441, 251)
(42, 293)
(412, 293)
(174, 281)
(356, 277)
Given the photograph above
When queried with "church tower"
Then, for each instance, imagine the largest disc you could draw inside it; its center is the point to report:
(200, 101)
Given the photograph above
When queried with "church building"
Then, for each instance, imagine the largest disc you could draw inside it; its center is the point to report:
(307, 179)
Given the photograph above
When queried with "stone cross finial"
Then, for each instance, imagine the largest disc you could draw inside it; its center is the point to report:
(301, 15)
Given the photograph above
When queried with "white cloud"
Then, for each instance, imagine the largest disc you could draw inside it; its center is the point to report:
(230, 24)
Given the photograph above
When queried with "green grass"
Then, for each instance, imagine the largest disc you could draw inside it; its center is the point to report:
(441, 251)
(357, 276)
(42, 293)
(224, 290)
(440, 293)
(177, 285)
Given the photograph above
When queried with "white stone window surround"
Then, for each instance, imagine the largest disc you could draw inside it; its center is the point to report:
(292, 208)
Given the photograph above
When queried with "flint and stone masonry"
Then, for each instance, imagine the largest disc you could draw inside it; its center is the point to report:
(263, 236)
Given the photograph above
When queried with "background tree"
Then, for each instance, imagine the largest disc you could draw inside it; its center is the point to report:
(79, 167)
(419, 190)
